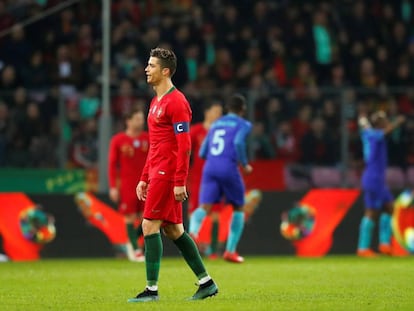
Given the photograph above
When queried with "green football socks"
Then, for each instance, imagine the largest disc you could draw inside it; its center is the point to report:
(191, 255)
(214, 236)
(153, 253)
(132, 235)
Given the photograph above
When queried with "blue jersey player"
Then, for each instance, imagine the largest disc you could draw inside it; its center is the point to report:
(224, 149)
(378, 199)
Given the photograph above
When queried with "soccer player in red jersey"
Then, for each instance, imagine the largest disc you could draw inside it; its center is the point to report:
(127, 154)
(163, 182)
(212, 111)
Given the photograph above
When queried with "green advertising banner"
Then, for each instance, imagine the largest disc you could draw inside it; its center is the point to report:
(42, 180)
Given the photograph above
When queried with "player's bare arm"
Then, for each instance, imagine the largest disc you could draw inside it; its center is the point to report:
(393, 125)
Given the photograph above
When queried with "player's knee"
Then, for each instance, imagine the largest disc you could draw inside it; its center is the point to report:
(215, 216)
(372, 214)
(130, 218)
(150, 227)
(237, 208)
(173, 231)
(206, 207)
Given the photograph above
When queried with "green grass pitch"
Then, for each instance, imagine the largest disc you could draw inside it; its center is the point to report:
(261, 283)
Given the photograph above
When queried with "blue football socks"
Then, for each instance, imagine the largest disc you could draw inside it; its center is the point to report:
(236, 230)
(365, 233)
(196, 219)
(385, 229)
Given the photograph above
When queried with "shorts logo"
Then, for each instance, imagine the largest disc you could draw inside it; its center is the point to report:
(181, 127)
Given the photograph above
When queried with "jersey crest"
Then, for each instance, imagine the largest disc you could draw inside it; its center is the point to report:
(127, 150)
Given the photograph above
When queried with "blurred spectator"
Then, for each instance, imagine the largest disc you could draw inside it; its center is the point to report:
(49, 107)
(323, 44)
(208, 45)
(281, 64)
(261, 143)
(273, 114)
(395, 140)
(19, 106)
(301, 122)
(406, 102)
(18, 152)
(8, 83)
(41, 152)
(330, 115)
(32, 126)
(367, 74)
(66, 27)
(224, 67)
(66, 71)
(409, 156)
(35, 75)
(337, 79)
(84, 147)
(85, 43)
(89, 103)
(6, 19)
(294, 60)
(124, 100)
(127, 60)
(318, 146)
(192, 61)
(5, 131)
(385, 69)
(360, 23)
(92, 69)
(300, 44)
(127, 9)
(286, 142)
(404, 75)
(17, 49)
(303, 79)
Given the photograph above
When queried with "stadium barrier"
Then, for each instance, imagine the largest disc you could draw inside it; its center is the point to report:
(88, 225)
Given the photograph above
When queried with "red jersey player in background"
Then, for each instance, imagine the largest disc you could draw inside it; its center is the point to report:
(212, 111)
(127, 155)
(164, 178)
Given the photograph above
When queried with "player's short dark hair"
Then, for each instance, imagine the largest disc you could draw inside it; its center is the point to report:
(132, 112)
(211, 103)
(236, 103)
(167, 59)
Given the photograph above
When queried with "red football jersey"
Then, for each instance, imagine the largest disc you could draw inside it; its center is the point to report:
(127, 156)
(170, 143)
(197, 132)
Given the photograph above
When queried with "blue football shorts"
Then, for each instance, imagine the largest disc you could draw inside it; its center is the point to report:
(219, 184)
(376, 198)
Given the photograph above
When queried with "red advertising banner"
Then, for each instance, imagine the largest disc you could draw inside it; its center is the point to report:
(330, 206)
(15, 244)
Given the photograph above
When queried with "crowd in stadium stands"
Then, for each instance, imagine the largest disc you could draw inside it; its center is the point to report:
(293, 59)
